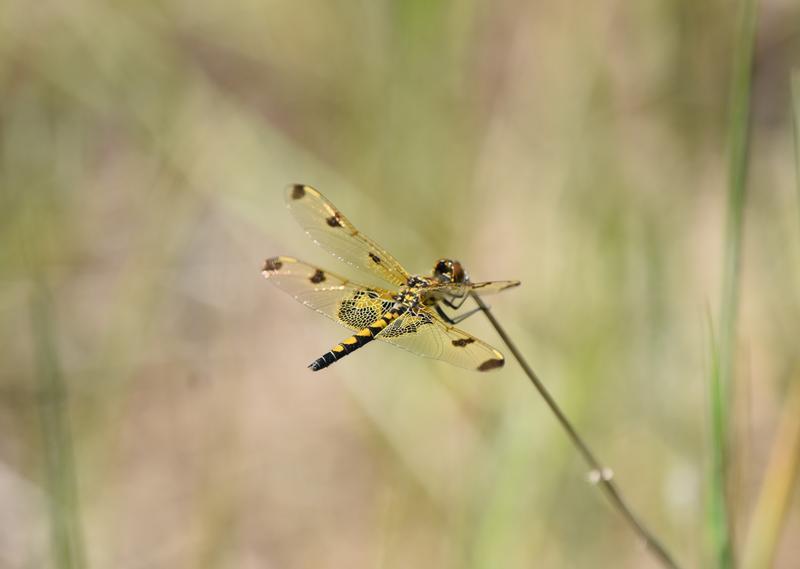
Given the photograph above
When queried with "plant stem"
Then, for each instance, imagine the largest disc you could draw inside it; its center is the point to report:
(598, 473)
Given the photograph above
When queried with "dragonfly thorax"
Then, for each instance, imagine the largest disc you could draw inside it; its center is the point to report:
(417, 281)
(408, 297)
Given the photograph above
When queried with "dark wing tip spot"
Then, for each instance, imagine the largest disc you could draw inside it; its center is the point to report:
(461, 342)
(317, 277)
(273, 264)
(491, 364)
(298, 191)
(375, 258)
(333, 221)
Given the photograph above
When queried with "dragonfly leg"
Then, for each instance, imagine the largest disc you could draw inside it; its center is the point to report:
(455, 302)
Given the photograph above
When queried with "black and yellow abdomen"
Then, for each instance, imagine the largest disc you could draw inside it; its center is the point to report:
(359, 339)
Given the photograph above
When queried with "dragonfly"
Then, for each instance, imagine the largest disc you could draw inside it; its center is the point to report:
(408, 311)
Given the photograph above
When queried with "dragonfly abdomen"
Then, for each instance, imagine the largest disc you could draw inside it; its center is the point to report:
(356, 341)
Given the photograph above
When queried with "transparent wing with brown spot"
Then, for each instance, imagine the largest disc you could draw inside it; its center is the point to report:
(350, 304)
(422, 332)
(332, 231)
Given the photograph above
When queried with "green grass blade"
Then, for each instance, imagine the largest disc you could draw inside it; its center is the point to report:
(65, 529)
(719, 513)
(718, 526)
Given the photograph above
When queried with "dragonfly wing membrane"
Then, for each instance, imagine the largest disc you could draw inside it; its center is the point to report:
(332, 231)
(463, 289)
(490, 287)
(350, 304)
(421, 332)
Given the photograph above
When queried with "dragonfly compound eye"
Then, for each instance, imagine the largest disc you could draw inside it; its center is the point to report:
(449, 271)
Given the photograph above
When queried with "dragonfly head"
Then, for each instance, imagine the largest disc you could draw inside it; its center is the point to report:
(449, 271)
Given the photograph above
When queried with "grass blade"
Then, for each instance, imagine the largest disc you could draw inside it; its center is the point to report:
(719, 513)
(776, 489)
(59, 463)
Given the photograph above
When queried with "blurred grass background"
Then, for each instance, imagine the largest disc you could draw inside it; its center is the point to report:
(155, 409)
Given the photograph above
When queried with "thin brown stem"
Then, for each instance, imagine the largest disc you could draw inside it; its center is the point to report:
(602, 476)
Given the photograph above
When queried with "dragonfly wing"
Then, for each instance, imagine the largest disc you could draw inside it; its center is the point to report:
(462, 289)
(332, 231)
(423, 333)
(350, 304)
(489, 287)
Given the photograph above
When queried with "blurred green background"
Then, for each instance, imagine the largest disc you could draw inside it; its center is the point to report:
(155, 407)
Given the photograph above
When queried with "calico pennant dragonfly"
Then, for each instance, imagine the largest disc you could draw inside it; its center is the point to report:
(409, 315)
